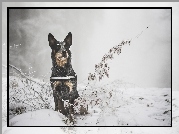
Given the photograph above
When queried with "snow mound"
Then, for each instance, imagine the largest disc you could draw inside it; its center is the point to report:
(117, 106)
(43, 117)
(114, 104)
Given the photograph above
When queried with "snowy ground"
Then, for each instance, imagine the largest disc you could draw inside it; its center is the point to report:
(112, 104)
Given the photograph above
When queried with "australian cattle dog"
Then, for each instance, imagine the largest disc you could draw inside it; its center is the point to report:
(63, 78)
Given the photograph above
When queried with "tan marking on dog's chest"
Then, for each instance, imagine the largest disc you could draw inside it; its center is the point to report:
(70, 85)
(67, 83)
(56, 83)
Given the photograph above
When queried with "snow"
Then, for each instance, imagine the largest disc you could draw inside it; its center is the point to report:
(32, 130)
(43, 117)
(119, 106)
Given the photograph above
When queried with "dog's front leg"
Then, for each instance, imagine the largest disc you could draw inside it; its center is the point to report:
(56, 103)
(61, 107)
(71, 102)
(55, 84)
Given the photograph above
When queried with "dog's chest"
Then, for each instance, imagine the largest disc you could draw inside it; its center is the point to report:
(59, 72)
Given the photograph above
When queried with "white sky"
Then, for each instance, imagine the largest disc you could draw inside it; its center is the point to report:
(146, 62)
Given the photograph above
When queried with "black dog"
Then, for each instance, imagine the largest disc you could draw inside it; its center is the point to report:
(63, 79)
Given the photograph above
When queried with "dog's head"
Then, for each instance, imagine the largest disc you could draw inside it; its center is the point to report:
(60, 49)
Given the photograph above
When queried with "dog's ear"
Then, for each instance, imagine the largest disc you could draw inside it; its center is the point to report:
(68, 40)
(52, 41)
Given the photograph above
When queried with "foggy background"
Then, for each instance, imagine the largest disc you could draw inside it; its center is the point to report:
(146, 62)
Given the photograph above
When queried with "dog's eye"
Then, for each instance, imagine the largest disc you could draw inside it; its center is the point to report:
(63, 43)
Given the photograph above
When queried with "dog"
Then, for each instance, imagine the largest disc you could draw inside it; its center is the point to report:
(63, 78)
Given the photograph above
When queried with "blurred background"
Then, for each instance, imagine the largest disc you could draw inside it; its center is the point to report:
(146, 62)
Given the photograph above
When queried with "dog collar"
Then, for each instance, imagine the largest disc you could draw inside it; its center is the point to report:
(62, 78)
